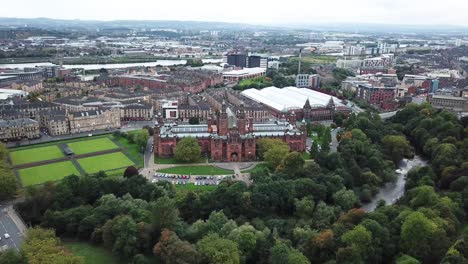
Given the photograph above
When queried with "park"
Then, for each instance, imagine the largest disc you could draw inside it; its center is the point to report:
(52, 161)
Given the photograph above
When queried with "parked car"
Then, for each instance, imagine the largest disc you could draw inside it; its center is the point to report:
(7, 236)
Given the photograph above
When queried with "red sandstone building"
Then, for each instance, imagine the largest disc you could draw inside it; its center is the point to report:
(193, 81)
(230, 137)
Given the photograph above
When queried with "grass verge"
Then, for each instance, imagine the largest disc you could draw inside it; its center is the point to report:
(91, 254)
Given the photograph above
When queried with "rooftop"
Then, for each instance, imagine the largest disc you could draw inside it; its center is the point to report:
(289, 97)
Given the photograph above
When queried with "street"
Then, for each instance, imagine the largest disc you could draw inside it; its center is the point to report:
(334, 142)
(12, 225)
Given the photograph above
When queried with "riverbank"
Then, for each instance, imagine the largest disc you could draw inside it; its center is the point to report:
(392, 191)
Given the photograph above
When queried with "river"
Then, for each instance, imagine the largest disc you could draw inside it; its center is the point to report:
(392, 191)
(106, 66)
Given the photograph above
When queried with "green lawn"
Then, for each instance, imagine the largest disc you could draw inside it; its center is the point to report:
(258, 166)
(36, 154)
(51, 172)
(105, 162)
(92, 254)
(132, 150)
(159, 160)
(197, 170)
(92, 145)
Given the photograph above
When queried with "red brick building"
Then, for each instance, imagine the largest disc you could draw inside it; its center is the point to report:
(193, 81)
(383, 97)
(229, 137)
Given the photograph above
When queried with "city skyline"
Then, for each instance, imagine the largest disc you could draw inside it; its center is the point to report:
(295, 12)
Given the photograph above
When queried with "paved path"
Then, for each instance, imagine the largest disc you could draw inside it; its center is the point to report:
(237, 167)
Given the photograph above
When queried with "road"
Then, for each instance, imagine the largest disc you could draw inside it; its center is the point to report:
(12, 225)
(149, 154)
(334, 142)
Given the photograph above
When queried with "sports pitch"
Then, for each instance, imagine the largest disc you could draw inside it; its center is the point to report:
(92, 145)
(105, 162)
(31, 155)
(50, 172)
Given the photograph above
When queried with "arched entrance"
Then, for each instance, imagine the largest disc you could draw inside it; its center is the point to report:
(234, 157)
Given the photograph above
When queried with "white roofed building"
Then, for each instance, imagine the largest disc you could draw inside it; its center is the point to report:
(305, 103)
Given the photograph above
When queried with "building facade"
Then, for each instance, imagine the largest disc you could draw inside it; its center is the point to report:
(17, 129)
(452, 103)
(308, 81)
(230, 137)
(94, 120)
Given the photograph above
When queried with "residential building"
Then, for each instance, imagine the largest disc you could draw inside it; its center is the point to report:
(382, 97)
(93, 120)
(137, 112)
(17, 129)
(308, 81)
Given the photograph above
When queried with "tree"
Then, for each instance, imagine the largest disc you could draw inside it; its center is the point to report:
(8, 186)
(187, 150)
(194, 120)
(275, 155)
(282, 254)
(141, 138)
(405, 259)
(130, 171)
(359, 238)
(11, 256)
(346, 199)
(292, 163)
(247, 238)
(172, 250)
(396, 147)
(3, 151)
(416, 235)
(216, 250)
(314, 150)
(265, 144)
(126, 237)
(41, 246)
(165, 213)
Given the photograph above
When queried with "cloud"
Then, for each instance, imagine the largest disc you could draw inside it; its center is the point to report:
(249, 11)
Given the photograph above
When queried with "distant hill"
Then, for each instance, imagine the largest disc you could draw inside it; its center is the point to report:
(48, 23)
(57, 24)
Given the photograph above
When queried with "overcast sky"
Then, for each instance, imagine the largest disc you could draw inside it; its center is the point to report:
(445, 12)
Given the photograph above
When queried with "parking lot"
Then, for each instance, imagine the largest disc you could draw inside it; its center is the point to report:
(184, 179)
